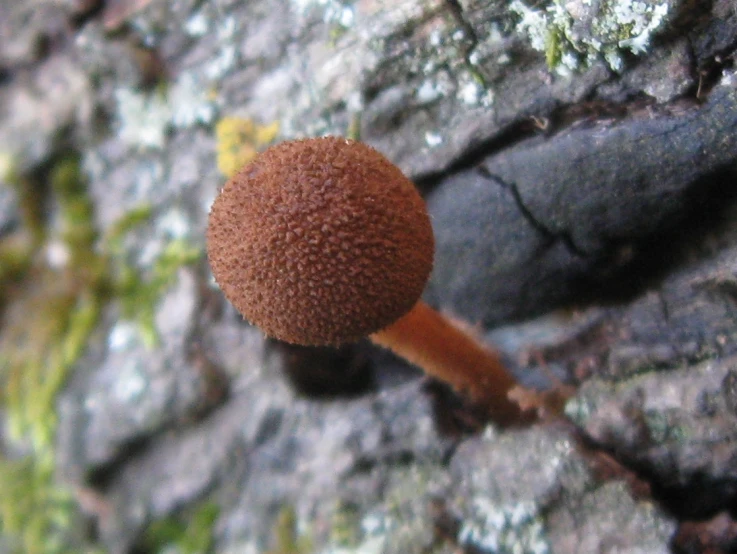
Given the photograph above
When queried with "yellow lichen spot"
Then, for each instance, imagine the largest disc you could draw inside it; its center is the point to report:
(239, 140)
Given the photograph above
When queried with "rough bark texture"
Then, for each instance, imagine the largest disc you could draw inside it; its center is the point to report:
(584, 209)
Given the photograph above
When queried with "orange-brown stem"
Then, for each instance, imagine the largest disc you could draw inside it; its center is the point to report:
(429, 340)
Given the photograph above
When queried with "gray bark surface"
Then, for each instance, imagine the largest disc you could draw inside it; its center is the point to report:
(585, 223)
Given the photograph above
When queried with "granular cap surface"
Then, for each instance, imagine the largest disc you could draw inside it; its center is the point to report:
(320, 241)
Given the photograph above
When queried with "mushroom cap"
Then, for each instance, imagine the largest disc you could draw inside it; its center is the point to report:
(320, 241)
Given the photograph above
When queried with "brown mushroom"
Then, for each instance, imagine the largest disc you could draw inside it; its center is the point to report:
(324, 241)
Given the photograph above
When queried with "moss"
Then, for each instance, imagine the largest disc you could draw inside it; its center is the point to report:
(76, 228)
(46, 324)
(15, 258)
(139, 292)
(239, 140)
(190, 532)
(354, 128)
(60, 274)
(553, 47)
(287, 535)
(116, 233)
(345, 529)
(27, 485)
(18, 247)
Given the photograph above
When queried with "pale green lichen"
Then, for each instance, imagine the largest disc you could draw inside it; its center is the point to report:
(198, 24)
(504, 529)
(664, 426)
(192, 103)
(401, 523)
(334, 12)
(227, 33)
(472, 91)
(145, 118)
(338, 15)
(617, 26)
(433, 139)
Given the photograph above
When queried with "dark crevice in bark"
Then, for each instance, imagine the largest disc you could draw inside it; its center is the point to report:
(700, 497)
(475, 155)
(472, 39)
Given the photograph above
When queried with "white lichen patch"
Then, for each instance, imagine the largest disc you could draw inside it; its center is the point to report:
(174, 224)
(574, 33)
(221, 64)
(131, 383)
(143, 118)
(122, 336)
(241, 547)
(58, 254)
(191, 102)
(428, 92)
(197, 24)
(376, 528)
(533, 23)
(369, 546)
(334, 12)
(473, 93)
(433, 139)
(728, 79)
(400, 524)
(508, 529)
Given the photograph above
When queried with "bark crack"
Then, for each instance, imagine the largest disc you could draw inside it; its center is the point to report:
(539, 226)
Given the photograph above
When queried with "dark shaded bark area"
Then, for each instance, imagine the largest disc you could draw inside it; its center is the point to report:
(572, 215)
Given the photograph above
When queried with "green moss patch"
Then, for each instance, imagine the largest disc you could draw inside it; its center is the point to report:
(57, 274)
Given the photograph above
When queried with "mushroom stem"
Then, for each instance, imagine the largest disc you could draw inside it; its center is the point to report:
(426, 338)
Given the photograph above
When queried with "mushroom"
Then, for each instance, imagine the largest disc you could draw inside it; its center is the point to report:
(323, 241)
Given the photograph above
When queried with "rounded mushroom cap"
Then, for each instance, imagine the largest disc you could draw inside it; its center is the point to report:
(320, 241)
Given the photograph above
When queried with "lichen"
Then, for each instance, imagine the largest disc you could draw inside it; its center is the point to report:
(433, 138)
(575, 34)
(239, 140)
(143, 118)
(227, 33)
(339, 15)
(192, 103)
(400, 523)
(509, 529)
(146, 117)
